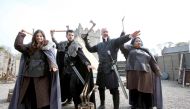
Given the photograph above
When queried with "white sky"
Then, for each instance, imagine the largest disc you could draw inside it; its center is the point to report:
(159, 20)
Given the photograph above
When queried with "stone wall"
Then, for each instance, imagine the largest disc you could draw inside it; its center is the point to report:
(94, 38)
(7, 64)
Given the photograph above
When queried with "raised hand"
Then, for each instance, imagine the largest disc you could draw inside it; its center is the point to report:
(135, 34)
(22, 31)
(25, 32)
(52, 32)
(122, 34)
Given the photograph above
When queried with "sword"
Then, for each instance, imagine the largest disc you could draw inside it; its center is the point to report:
(76, 71)
(118, 76)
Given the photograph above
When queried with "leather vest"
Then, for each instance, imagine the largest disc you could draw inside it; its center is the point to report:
(138, 60)
(37, 65)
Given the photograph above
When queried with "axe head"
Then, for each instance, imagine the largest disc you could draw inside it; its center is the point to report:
(67, 27)
(92, 23)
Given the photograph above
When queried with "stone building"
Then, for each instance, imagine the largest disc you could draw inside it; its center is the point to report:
(7, 65)
(94, 38)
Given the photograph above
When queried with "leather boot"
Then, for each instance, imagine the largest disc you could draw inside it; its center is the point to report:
(102, 105)
(115, 97)
(102, 99)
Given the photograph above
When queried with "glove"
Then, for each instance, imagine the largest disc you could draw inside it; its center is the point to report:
(122, 34)
(84, 36)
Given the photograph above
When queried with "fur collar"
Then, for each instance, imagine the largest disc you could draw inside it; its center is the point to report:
(49, 46)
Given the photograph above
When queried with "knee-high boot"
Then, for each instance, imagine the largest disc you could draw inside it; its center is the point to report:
(102, 98)
(115, 97)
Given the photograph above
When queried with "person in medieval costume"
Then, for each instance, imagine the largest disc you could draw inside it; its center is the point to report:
(143, 76)
(65, 78)
(69, 55)
(106, 76)
(37, 85)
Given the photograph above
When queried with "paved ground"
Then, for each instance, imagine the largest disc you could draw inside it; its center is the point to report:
(174, 97)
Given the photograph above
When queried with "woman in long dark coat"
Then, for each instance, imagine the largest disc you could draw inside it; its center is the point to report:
(37, 85)
(143, 76)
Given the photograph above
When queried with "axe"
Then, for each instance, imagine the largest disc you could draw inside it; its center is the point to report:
(26, 32)
(123, 22)
(93, 25)
(67, 27)
(60, 30)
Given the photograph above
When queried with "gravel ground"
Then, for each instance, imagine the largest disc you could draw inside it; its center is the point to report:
(174, 97)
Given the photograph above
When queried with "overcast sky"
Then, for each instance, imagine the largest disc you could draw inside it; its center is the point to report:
(159, 20)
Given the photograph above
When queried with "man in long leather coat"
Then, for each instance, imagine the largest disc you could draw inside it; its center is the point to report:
(106, 76)
(69, 52)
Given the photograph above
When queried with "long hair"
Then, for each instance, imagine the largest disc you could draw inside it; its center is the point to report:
(36, 46)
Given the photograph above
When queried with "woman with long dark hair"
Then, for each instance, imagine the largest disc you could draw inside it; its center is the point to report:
(37, 85)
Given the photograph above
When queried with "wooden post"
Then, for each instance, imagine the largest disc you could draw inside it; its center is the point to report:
(183, 84)
(8, 69)
(180, 68)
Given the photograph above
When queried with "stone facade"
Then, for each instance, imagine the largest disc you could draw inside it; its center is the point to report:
(94, 36)
(7, 65)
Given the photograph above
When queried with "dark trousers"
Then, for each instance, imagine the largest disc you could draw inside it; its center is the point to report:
(65, 87)
(115, 96)
(140, 100)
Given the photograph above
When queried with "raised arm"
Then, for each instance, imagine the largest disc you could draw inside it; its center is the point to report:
(125, 38)
(89, 48)
(52, 37)
(18, 44)
(121, 40)
(123, 50)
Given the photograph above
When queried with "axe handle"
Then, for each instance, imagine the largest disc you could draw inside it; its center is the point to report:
(27, 32)
(91, 28)
(60, 31)
(123, 23)
(93, 25)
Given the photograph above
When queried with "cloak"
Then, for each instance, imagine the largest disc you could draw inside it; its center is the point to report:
(55, 95)
(76, 54)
